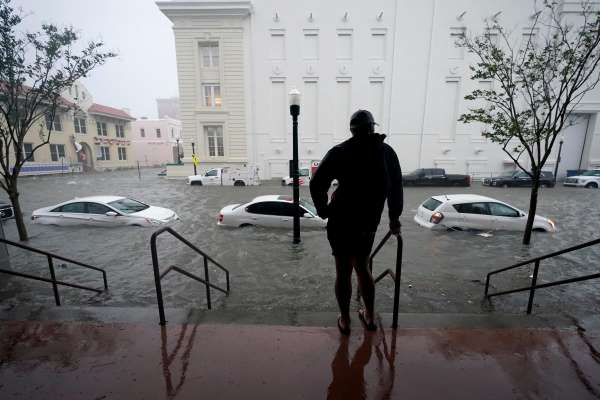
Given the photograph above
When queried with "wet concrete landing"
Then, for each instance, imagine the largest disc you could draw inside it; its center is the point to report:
(90, 360)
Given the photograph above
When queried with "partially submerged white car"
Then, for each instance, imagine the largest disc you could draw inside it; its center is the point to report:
(588, 179)
(272, 211)
(103, 211)
(469, 211)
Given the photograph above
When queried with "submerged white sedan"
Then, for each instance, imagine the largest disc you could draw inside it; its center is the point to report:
(272, 211)
(469, 211)
(103, 211)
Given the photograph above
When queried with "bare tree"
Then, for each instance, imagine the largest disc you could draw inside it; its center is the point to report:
(537, 84)
(35, 68)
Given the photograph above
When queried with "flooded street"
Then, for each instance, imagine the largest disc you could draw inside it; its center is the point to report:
(442, 271)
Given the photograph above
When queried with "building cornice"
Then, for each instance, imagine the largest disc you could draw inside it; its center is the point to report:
(205, 8)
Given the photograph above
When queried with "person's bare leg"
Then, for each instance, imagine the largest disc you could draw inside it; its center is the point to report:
(367, 286)
(343, 287)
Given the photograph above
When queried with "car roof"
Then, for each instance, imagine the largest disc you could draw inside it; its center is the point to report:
(272, 197)
(98, 199)
(463, 198)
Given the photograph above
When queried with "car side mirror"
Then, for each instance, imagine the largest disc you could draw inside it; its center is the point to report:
(522, 214)
(307, 215)
(111, 214)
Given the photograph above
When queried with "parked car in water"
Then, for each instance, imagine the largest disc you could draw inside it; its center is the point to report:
(588, 179)
(304, 178)
(519, 179)
(273, 211)
(435, 177)
(470, 211)
(6, 211)
(228, 176)
(103, 211)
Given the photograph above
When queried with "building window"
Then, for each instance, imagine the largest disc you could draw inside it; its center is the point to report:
(277, 46)
(103, 153)
(120, 131)
(209, 55)
(214, 138)
(142, 132)
(122, 153)
(158, 133)
(101, 127)
(212, 95)
(172, 134)
(80, 124)
(57, 124)
(344, 46)
(28, 151)
(57, 151)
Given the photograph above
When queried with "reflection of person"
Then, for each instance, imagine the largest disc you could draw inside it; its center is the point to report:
(348, 377)
(368, 172)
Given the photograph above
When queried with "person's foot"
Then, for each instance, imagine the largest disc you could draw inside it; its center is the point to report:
(367, 322)
(343, 325)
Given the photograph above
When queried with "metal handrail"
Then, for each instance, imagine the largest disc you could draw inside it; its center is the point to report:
(158, 276)
(536, 260)
(50, 256)
(395, 275)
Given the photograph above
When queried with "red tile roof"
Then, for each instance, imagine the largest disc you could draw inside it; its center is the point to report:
(109, 111)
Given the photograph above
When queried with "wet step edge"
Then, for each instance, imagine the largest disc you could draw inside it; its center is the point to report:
(149, 315)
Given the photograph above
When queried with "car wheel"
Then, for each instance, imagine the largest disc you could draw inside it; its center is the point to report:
(592, 185)
(239, 183)
(195, 183)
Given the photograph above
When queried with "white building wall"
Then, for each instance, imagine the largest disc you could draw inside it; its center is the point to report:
(394, 57)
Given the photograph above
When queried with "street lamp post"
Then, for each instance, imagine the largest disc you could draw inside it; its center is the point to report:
(178, 153)
(560, 144)
(193, 158)
(295, 111)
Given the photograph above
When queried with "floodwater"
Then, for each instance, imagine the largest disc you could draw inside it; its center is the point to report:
(442, 271)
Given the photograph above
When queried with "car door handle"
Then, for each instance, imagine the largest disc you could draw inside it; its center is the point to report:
(285, 219)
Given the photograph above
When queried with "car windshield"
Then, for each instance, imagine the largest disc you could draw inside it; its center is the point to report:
(431, 204)
(591, 173)
(309, 207)
(128, 206)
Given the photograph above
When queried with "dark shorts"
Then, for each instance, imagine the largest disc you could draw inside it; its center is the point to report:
(348, 242)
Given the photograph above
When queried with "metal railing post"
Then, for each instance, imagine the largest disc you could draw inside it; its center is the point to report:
(105, 281)
(397, 281)
(206, 278)
(53, 277)
(227, 277)
(159, 296)
(487, 285)
(533, 284)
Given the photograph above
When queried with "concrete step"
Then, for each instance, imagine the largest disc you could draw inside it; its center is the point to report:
(149, 315)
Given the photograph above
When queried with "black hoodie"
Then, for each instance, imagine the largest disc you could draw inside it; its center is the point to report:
(368, 172)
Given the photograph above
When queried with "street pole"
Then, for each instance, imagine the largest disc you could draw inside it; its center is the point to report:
(558, 158)
(295, 111)
(193, 154)
(178, 154)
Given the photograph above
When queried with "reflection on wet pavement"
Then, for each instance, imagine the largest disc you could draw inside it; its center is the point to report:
(68, 360)
(445, 270)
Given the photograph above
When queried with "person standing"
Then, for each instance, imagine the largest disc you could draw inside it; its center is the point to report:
(368, 172)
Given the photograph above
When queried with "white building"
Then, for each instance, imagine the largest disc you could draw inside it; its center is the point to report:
(155, 141)
(237, 61)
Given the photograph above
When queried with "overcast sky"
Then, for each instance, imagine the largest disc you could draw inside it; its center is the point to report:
(136, 29)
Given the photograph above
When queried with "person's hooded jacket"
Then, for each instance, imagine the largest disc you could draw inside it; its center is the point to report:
(368, 172)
